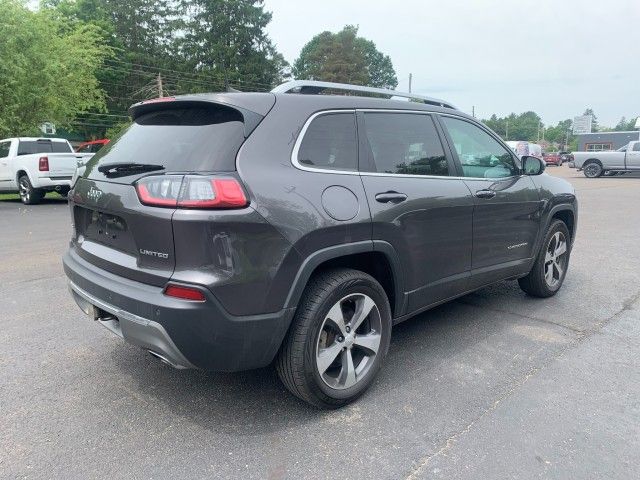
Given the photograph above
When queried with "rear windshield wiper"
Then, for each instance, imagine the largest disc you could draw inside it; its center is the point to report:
(128, 167)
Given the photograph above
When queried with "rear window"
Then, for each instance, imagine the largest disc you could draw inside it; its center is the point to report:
(184, 139)
(28, 147)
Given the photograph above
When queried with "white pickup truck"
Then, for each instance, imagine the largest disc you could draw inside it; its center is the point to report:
(595, 164)
(34, 166)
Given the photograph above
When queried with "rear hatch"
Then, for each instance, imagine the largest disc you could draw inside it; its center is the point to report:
(124, 201)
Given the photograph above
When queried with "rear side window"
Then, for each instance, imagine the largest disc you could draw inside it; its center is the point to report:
(636, 147)
(405, 143)
(181, 139)
(4, 149)
(29, 147)
(330, 143)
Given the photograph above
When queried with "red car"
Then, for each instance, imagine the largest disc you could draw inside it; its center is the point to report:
(552, 158)
(92, 146)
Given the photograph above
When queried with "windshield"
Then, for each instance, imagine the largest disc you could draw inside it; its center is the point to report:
(185, 139)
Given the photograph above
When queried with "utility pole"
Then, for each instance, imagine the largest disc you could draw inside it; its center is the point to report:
(159, 84)
(507, 134)
(473, 111)
(410, 79)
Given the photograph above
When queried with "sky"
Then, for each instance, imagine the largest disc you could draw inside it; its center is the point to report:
(555, 57)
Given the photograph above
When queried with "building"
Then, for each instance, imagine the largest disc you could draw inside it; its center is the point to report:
(598, 141)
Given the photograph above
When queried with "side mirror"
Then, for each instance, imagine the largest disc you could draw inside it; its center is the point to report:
(532, 165)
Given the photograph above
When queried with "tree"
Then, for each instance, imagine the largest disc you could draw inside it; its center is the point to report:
(47, 69)
(594, 119)
(625, 125)
(227, 41)
(345, 58)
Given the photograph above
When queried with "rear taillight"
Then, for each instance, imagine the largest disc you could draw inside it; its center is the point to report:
(184, 293)
(43, 164)
(191, 191)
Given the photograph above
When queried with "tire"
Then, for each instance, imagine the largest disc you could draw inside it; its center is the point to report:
(538, 282)
(593, 169)
(304, 362)
(28, 194)
(560, 163)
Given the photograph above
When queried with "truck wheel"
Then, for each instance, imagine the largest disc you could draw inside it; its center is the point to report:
(28, 194)
(550, 268)
(593, 170)
(338, 339)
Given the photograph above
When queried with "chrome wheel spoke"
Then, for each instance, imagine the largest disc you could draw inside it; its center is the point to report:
(561, 248)
(548, 274)
(364, 307)
(369, 342)
(326, 356)
(337, 317)
(348, 373)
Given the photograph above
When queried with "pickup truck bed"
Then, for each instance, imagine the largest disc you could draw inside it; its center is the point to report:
(34, 166)
(595, 164)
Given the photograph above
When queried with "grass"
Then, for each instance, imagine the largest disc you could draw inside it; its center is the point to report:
(15, 196)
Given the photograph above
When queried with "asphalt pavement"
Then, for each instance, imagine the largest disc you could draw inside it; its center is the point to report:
(493, 385)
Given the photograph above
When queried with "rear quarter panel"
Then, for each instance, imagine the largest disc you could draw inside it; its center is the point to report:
(290, 199)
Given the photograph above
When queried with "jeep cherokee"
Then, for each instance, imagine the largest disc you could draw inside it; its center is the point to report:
(230, 231)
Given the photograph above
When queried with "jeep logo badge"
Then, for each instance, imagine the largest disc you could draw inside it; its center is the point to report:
(94, 194)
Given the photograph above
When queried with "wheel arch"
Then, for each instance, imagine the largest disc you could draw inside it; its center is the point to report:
(377, 258)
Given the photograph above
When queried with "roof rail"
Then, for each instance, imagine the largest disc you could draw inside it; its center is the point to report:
(314, 87)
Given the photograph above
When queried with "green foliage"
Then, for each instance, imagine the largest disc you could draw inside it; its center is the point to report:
(625, 125)
(226, 40)
(47, 69)
(525, 126)
(345, 58)
(594, 119)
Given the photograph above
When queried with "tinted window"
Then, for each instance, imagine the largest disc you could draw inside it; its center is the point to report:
(181, 139)
(330, 142)
(636, 147)
(29, 147)
(480, 154)
(4, 149)
(405, 143)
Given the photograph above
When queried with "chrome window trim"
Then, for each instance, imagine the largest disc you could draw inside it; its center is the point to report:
(303, 131)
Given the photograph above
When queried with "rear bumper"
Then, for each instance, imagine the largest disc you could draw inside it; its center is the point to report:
(52, 182)
(184, 334)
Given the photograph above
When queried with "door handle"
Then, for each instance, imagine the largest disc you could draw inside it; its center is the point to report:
(485, 194)
(393, 197)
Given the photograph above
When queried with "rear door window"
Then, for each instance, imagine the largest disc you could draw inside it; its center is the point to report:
(4, 149)
(330, 143)
(203, 138)
(404, 143)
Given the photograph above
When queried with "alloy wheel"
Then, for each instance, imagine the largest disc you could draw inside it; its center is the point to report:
(555, 259)
(592, 170)
(349, 341)
(25, 190)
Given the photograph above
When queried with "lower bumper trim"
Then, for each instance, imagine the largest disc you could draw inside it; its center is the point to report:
(134, 329)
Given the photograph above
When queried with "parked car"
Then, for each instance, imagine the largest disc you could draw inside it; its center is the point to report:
(244, 228)
(34, 166)
(595, 164)
(566, 157)
(524, 148)
(552, 158)
(92, 147)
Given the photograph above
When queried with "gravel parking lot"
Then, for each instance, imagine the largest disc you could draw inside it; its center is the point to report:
(493, 385)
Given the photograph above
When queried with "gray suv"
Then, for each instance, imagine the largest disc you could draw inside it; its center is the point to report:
(230, 231)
